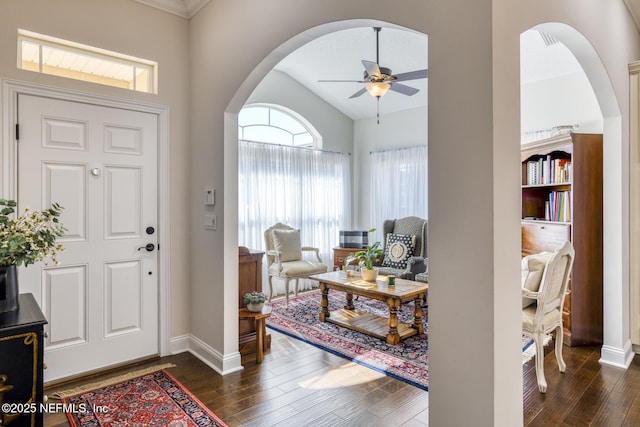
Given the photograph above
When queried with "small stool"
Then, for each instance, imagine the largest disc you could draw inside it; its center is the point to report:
(261, 328)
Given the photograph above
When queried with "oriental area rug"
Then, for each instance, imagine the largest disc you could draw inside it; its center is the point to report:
(152, 399)
(407, 361)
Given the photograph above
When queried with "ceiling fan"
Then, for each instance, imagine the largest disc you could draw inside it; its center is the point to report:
(379, 80)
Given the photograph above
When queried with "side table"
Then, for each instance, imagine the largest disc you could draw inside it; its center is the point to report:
(261, 328)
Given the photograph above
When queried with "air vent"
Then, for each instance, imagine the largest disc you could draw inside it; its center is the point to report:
(548, 39)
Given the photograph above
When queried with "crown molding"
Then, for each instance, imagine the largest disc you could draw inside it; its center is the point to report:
(183, 8)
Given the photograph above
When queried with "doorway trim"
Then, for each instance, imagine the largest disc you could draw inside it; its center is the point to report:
(9, 177)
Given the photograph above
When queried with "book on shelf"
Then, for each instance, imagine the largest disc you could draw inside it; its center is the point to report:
(559, 206)
(548, 171)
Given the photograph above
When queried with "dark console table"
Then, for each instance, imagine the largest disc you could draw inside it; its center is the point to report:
(21, 350)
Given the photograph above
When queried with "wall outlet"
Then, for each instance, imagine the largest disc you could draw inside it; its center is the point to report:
(210, 222)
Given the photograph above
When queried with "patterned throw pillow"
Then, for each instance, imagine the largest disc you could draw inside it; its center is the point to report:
(398, 249)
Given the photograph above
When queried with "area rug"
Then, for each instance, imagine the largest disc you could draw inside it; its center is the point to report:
(152, 399)
(408, 361)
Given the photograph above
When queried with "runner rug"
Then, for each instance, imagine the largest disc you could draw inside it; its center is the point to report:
(152, 399)
(408, 361)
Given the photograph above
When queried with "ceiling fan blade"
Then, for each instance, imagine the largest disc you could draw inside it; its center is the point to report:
(412, 75)
(372, 68)
(358, 93)
(403, 89)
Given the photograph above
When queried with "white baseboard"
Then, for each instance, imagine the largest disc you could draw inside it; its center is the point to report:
(620, 357)
(211, 357)
(179, 344)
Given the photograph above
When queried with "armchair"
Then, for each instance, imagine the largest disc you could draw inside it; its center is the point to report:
(284, 258)
(411, 263)
(545, 313)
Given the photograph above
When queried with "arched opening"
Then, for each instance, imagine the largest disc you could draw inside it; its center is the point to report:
(584, 83)
(245, 94)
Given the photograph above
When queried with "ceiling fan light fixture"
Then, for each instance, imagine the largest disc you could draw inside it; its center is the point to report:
(378, 89)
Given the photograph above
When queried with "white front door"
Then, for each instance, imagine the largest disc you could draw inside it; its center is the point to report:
(100, 164)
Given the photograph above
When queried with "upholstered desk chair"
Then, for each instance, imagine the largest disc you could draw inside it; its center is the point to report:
(545, 312)
(284, 258)
(400, 259)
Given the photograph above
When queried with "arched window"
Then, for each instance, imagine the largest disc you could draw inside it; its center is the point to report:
(276, 125)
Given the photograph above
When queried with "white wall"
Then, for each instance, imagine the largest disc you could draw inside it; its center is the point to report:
(564, 100)
(130, 28)
(398, 130)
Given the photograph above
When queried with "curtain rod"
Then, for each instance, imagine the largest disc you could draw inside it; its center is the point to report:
(293, 146)
(398, 149)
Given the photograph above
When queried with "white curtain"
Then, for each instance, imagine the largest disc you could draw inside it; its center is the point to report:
(306, 189)
(398, 185)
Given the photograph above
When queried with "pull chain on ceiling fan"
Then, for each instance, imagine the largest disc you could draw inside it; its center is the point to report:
(379, 80)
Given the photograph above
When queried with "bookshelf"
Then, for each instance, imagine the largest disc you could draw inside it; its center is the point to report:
(562, 199)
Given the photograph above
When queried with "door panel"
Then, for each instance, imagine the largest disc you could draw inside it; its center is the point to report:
(64, 134)
(100, 164)
(66, 309)
(123, 299)
(66, 185)
(123, 213)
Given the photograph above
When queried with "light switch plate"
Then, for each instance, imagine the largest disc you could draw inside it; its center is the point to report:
(210, 222)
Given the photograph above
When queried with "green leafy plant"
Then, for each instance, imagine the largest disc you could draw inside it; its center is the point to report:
(254, 297)
(370, 254)
(30, 237)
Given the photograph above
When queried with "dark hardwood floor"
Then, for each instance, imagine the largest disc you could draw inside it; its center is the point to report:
(298, 385)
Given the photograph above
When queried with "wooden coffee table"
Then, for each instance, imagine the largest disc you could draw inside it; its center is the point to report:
(389, 329)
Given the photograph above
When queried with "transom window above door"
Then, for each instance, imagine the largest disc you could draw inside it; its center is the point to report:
(49, 55)
(276, 125)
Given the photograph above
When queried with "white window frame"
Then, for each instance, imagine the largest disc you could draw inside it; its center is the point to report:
(311, 130)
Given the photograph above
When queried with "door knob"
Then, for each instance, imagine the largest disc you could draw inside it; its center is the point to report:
(149, 247)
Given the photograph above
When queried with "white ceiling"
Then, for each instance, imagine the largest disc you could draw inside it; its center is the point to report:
(338, 56)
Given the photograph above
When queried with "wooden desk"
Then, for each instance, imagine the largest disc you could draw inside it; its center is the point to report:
(389, 329)
(259, 318)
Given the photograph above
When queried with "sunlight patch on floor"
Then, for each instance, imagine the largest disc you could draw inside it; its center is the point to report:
(349, 374)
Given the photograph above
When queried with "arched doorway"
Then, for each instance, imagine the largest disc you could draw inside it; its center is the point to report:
(616, 349)
(242, 96)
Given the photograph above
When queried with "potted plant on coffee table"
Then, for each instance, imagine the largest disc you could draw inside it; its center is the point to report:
(367, 258)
